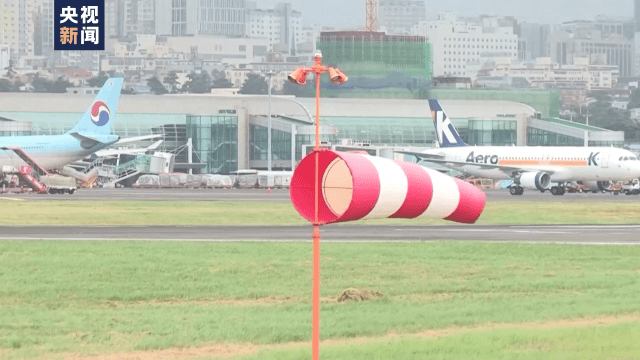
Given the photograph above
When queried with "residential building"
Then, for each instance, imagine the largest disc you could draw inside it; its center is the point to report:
(544, 74)
(457, 43)
(280, 25)
(18, 26)
(136, 17)
(5, 56)
(400, 16)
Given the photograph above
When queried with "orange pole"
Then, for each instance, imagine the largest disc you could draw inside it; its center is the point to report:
(317, 110)
(315, 342)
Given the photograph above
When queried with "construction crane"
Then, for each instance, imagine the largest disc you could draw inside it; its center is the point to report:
(372, 14)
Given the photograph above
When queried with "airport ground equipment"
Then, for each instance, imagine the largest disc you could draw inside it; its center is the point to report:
(31, 173)
(58, 184)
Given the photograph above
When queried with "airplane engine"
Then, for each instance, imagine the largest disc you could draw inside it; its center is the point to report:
(537, 181)
(604, 185)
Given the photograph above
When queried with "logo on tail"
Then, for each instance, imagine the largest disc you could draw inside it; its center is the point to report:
(445, 131)
(100, 113)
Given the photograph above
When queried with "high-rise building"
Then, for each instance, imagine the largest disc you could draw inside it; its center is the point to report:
(222, 17)
(636, 12)
(400, 16)
(584, 39)
(46, 26)
(458, 44)
(200, 17)
(137, 17)
(176, 17)
(533, 41)
(281, 25)
(19, 19)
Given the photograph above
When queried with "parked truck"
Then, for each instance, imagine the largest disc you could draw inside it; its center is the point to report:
(58, 184)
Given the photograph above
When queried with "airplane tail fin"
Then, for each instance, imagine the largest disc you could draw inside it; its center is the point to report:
(446, 133)
(98, 119)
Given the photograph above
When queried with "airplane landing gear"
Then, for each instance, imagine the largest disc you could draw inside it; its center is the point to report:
(558, 190)
(516, 190)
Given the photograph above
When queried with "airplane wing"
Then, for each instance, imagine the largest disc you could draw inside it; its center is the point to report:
(138, 138)
(113, 152)
(421, 155)
(91, 140)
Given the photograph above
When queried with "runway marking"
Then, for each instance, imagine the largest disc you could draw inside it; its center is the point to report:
(12, 199)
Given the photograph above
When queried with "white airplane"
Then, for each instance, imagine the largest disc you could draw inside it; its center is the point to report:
(530, 167)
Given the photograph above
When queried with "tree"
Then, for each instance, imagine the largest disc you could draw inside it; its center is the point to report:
(41, 84)
(99, 80)
(220, 80)
(7, 86)
(172, 80)
(59, 86)
(255, 84)
(156, 86)
(198, 83)
(290, 88)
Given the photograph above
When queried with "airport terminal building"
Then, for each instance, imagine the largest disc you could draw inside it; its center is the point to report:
(230, 132)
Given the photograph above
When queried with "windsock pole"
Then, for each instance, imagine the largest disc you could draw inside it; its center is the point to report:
(315, 342)
(299, 76)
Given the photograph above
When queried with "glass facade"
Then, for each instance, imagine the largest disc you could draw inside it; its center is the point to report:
(617, 144)
(215, 142)
(258, 144)
(537, 137)
(419, 132)
(491, 132)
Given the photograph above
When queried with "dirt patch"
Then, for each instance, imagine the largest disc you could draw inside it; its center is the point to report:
(269, 300)
(222, 350)
(359, 295)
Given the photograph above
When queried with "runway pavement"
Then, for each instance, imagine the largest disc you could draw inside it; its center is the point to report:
(278, 195)
(579, 234)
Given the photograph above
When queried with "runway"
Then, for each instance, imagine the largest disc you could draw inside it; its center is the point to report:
(276, 195)
(578, 234)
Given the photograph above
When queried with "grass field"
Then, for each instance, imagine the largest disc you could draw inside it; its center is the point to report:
(256, 213)
(251, 300)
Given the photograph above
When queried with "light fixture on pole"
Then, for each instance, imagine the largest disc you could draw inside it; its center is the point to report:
(269, 157)
(299, 76)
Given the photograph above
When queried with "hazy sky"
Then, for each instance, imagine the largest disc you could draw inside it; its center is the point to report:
(350, 13)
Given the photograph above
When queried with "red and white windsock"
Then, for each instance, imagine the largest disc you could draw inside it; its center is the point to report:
(355, 186)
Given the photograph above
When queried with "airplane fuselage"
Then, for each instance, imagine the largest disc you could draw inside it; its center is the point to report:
(50, 151)
(562, 163)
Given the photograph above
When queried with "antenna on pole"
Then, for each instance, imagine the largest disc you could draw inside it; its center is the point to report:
(372, 14)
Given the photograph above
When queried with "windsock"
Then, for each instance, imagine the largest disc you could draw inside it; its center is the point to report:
(354, 186)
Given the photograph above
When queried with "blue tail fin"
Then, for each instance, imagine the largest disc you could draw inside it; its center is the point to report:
(98, 119)
(445, 131)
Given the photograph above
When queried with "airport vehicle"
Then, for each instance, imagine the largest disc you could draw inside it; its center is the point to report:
(91, 133)
(58, 184)
(530, 167)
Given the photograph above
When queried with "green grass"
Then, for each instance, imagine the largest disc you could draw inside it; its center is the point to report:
(619, 341)
(118, 213)
(59, 298)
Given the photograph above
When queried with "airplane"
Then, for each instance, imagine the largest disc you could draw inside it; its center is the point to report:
(531, 167)
(91, 134)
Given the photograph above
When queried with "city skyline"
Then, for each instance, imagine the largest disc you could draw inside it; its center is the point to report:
(351, 14)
